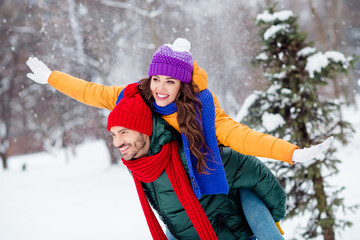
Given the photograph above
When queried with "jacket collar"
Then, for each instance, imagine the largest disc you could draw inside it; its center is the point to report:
(162, 134)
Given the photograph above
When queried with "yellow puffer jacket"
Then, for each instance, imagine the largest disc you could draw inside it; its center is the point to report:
(229, 133)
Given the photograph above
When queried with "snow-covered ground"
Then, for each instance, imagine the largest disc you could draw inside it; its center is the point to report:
(85, 198)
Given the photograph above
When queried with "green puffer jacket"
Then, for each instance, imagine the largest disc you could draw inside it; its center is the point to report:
(223, 211)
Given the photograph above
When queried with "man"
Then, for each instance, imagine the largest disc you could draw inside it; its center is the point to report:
(156, 160)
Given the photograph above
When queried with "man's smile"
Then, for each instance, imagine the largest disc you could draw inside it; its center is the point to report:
(124, 149)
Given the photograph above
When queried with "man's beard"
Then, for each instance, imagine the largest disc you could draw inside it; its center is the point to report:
(137, 150)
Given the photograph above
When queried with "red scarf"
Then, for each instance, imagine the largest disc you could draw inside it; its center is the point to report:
(148, 169)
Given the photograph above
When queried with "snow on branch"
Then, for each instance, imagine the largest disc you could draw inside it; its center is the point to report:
(272, 121)
(244, 111)
(280, 75)
(315, 63)
(262, 56)
(274, 29)
(338, 57)
(268, 17)
(306, 51)
(319, 61)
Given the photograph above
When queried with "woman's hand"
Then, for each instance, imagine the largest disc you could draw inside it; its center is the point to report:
(303, 155)
(40, 72)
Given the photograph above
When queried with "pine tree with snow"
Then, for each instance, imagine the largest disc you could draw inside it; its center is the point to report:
(293, 109)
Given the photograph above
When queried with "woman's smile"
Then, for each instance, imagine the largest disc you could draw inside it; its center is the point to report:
(164, 89)
(162, 96)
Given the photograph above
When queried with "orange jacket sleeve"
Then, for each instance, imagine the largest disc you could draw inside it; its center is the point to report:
(96, 95)
(243, 139)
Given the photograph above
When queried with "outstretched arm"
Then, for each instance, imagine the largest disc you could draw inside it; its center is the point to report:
(96, 95)
(243, 139)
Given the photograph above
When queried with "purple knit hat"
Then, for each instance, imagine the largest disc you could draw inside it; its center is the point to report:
(174, 60)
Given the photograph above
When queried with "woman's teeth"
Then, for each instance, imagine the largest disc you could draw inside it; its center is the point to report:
(162, 95)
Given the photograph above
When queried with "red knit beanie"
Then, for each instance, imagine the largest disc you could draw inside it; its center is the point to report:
(131, 112)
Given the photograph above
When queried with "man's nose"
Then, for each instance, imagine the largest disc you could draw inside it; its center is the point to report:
(118, 141)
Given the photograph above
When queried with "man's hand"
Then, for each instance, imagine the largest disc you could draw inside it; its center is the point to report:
(303, 155)
(40, 72)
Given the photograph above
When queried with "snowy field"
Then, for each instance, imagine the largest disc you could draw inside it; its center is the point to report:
(86, 199)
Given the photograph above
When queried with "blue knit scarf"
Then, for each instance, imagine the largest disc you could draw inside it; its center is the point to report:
(203, 184)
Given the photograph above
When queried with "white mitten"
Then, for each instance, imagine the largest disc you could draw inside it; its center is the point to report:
(306, 154)
(40, 72)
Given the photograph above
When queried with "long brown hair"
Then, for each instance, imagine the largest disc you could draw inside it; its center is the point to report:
(188, 117)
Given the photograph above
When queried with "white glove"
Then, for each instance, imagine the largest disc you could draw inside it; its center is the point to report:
(303, 155)
(40, 72)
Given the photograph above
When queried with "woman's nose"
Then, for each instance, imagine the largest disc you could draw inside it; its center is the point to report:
(161, 87)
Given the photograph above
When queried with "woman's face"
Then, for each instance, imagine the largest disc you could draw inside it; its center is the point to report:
(164, 89)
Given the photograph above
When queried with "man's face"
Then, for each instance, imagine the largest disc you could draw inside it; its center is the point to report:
(130, 143)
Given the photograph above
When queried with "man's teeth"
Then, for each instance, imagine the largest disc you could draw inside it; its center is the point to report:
(124, 148)
(162, 95)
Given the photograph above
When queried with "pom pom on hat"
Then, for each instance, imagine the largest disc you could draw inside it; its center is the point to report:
(174, 60)
(180, 45)
(131, 112)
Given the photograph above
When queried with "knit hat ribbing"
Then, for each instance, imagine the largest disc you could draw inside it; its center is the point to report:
(174, 60)
(131, 112)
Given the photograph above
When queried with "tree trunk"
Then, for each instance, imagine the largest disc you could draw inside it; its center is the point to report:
(4, 160)
(322, 206)
(323, 39)
(319, 26)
